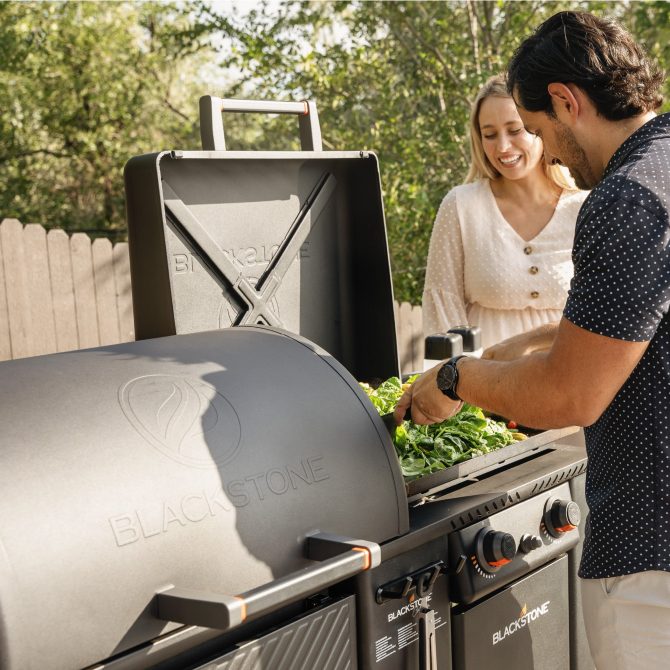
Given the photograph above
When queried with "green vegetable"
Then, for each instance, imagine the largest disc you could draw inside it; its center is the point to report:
(422, 450)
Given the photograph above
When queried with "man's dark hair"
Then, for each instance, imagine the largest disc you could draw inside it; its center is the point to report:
(596, 54)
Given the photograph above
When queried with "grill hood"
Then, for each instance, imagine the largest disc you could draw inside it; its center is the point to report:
(197, 461)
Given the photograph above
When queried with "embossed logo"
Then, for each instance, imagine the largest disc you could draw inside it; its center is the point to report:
(228, 316)
(185, 418)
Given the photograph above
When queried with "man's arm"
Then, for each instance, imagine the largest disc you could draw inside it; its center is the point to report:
(571, 384)
(538, 339)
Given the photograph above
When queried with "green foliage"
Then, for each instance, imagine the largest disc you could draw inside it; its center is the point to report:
(86, 85)
(397, 78)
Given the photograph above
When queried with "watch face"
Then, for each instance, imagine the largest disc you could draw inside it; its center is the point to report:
(446, 377)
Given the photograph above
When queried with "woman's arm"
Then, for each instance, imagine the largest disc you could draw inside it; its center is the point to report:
(443, 304)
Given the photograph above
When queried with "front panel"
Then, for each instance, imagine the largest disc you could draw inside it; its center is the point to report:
(325, 639)
(394, 628)
(523, 626)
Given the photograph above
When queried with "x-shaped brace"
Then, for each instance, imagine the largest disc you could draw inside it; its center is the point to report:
(255, 299)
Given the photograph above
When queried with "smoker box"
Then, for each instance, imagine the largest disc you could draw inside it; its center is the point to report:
(295, 240)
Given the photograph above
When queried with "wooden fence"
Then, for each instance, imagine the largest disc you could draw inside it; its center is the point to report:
(60, 292)
(409, 334)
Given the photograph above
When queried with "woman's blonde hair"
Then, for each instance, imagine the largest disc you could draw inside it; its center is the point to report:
(480, 166)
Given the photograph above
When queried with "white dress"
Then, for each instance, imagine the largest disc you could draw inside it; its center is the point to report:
(481, 272)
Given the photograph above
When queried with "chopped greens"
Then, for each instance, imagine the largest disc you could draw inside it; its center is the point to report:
(422, 450)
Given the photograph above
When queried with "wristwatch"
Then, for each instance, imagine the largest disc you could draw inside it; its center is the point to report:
(447, 378)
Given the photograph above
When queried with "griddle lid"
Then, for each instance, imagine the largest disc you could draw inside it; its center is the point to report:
(198, 461)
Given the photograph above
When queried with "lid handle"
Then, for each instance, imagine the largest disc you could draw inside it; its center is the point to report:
(211, 119)
(339, 558)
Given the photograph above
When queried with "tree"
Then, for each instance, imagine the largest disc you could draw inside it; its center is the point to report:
(85, 86)
(394, 77)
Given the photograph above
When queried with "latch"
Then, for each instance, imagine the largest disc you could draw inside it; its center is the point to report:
(417, 583)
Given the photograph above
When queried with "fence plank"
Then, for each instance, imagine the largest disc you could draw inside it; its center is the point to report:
(20, 331)
(62, 290)
(105, 291)
(38, 286)
(396, 320)
(417, 338)
(405, 337)
(59, 293)
(409, 332)
(84, 290)
(124, 296)
(5, 340)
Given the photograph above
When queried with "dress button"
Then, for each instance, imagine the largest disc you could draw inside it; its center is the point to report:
(528, 250)
(533, 269)
(534, 294)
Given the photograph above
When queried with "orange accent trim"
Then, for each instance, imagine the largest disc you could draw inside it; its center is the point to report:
(566, 528)
(368, 556)
(306, 112)
(502, 561)
(244, 607)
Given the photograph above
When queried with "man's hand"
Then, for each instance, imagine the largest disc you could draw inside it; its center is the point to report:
(428, 403)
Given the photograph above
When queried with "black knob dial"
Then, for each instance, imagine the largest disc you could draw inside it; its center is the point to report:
(494, 549)
(561, 516)
(530, 542)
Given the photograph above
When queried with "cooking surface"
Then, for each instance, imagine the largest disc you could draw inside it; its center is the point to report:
(477, 498)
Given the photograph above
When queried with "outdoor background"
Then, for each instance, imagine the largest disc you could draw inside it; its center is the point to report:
(86, 85)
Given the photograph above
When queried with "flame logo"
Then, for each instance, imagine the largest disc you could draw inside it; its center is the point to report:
(524, 609)
(186, 419)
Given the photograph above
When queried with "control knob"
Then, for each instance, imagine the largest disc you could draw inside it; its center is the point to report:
(494, 549)
(530, 542)
(561, 516)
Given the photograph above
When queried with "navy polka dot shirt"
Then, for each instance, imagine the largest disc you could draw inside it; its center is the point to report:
(621, 289)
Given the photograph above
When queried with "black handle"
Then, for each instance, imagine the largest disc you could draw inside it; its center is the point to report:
(440, 346)
(472, 336)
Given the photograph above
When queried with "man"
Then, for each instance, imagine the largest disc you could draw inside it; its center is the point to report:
(586, 88)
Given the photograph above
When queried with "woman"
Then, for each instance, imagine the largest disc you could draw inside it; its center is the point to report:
(500, 250)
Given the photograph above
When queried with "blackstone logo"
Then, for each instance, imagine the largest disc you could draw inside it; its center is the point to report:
(186, 419)
(410, 607)
(524, 619)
